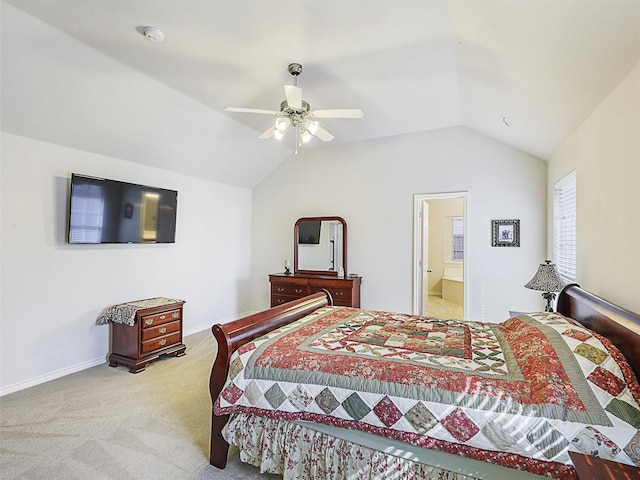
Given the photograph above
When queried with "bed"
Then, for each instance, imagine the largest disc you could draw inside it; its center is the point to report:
(427, 398)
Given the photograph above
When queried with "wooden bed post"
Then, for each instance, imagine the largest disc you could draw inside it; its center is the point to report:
(219, 447)
(232, 335)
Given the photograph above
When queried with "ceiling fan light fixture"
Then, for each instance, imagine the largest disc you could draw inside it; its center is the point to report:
(312, 126)
(296, 113)
(278, 134)
(305, 136)
(282, 123)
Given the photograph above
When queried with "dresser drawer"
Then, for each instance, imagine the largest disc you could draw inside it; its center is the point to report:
(160, 330)
(293, 290)
(160, 318)
(341, 296)
(160, 343)
(280, 299)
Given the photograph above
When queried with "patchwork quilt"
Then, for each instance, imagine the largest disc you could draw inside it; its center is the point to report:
(521, 393)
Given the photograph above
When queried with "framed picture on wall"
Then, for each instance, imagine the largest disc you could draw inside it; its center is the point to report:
(128, 210)
(505, 233)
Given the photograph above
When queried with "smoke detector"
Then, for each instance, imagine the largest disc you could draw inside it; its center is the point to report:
(154, 34)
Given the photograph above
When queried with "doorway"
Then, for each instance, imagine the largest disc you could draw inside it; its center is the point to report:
(440, 255)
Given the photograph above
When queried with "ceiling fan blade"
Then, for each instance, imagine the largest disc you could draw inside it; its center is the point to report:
(323, 135)
(338, 113)
(294, 96)
(268, 133)
(250, 110)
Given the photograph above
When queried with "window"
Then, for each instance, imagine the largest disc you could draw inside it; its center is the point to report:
(564, 227)
(453, 239)
(457, 230)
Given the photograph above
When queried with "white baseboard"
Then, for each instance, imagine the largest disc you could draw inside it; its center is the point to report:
(52, 375)
(197, 329)
(99, 361)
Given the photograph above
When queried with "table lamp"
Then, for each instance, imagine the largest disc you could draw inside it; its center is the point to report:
(547, 280)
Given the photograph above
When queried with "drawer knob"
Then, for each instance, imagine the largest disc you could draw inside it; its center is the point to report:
(162, 317)
(175, 314)
(280, 289)
(339, 294)
(163, 341)
(149, 321)
(163, 329)
(298, 290)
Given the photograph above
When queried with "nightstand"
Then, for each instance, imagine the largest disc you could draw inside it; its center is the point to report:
(594, 468)
(144, 330)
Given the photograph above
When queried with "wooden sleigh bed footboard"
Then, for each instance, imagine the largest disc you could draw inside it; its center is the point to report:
(231, 336)
(620, 326)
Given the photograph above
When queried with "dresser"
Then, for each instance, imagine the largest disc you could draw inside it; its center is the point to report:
(143, 331)
(284, 288)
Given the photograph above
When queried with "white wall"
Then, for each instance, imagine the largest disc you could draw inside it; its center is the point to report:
(371, 185)
(52, 292)
(605, 152)
(62, 91)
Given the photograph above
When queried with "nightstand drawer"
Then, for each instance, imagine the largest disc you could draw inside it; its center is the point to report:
(160, 318)
(160, 343)
(160, 330)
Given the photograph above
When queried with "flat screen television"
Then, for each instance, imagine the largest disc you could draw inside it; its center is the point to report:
(110, 211)
(309, 232)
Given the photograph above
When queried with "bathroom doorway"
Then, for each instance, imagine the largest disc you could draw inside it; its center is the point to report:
(440, 260)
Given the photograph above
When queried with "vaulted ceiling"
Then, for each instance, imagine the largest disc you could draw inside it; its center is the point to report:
(525, 72)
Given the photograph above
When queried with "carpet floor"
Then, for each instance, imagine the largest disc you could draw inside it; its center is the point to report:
(106, 423)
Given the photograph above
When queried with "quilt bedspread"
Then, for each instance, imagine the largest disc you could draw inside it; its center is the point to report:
(521, 393)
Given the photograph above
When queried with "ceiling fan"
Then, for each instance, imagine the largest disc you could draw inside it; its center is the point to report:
(297, 114)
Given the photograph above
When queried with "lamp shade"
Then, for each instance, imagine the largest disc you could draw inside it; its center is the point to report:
(546, 279)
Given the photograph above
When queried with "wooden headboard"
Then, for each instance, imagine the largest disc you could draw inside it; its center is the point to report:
(620, 326)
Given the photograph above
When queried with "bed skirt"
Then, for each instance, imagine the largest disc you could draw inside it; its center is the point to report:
(301, 453)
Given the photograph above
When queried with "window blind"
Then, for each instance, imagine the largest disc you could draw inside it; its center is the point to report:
(86, 222)
(564, 227)
(457, 227)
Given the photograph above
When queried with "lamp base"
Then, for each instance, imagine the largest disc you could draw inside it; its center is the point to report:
(549, 297)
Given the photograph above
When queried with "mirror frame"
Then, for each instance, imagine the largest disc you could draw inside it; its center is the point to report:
(334, 273)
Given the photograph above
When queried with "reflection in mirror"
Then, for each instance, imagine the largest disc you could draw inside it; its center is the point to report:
(148, 225)
(320, 245)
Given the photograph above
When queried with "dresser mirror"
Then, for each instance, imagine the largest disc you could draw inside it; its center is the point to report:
(320, 246)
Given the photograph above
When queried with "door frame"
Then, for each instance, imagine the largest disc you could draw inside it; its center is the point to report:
(418, 244)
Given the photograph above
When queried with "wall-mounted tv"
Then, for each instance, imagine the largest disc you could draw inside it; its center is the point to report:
(309, 232)
(110, 211)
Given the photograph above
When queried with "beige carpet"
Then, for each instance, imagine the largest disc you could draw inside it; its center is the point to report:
(106, 423)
